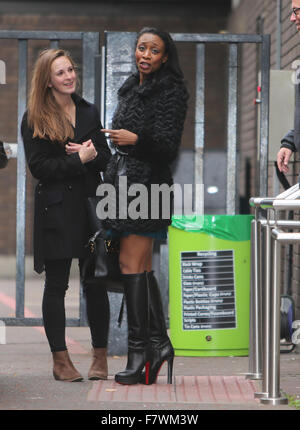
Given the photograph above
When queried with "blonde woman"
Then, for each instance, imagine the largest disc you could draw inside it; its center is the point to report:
(65, 152)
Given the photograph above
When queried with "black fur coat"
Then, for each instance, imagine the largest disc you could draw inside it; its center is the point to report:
(156, 112)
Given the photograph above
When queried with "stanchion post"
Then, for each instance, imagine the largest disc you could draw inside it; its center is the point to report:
(265, 291)
(273, 391)
(252, 309)
(255, 301)
(267, 259)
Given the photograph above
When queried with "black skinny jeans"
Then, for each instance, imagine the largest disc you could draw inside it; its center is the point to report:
(53, 306)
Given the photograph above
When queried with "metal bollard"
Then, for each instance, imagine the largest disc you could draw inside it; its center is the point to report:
(266, 288)
(255, 356)
(255, 338)
(273, 396)
(266, 264)
(266, 280)
(258, 315)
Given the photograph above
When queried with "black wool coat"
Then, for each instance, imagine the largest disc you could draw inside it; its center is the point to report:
(156, 112)
(60, 219)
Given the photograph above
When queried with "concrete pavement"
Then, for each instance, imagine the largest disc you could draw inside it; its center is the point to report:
(200, 383)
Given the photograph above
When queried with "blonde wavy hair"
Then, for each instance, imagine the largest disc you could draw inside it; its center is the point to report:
(45, 116)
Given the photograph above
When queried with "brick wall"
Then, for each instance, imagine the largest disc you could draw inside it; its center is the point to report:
(245, 19)
(99, 16)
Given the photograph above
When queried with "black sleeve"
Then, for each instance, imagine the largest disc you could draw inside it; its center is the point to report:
(99, 140)
(42, 162)
(288, 141)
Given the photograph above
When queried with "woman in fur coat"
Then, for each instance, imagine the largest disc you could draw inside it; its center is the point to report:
(146, 132)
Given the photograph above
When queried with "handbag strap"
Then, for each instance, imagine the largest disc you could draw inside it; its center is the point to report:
(118, 151)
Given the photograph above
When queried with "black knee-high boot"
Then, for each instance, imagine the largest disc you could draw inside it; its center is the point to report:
(136, 296)
(160, 344)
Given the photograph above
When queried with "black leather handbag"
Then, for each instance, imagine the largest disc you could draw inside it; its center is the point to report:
(103, 251)
(102, 260)
(3, 156)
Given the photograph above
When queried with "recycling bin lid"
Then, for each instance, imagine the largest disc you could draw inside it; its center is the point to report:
(227, 227)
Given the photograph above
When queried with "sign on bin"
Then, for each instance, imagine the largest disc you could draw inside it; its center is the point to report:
(208, 294)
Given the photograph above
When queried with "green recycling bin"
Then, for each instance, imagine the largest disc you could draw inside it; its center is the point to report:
(209, 284)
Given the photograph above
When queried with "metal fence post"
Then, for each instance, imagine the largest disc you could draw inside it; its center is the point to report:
(21, 184)
(270, 280)
(266, 286)
(255, 302)
(273, 390)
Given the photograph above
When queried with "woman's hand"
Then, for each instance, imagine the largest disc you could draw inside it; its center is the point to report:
(121, 137)
(86, 150)
(72, 147)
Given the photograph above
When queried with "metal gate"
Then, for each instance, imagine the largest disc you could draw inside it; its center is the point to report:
(119, 49)
(115, 68)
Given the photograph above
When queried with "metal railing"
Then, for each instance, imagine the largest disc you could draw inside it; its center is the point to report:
(117, 63)
(119, 59)
(268, 236)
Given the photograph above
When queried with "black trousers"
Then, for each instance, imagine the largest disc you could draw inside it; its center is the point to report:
(53, 306)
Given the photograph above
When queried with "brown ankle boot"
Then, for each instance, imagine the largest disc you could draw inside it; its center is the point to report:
(98, 369)
(63, 368)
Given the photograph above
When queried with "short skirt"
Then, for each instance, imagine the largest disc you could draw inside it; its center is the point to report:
(161, 234)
